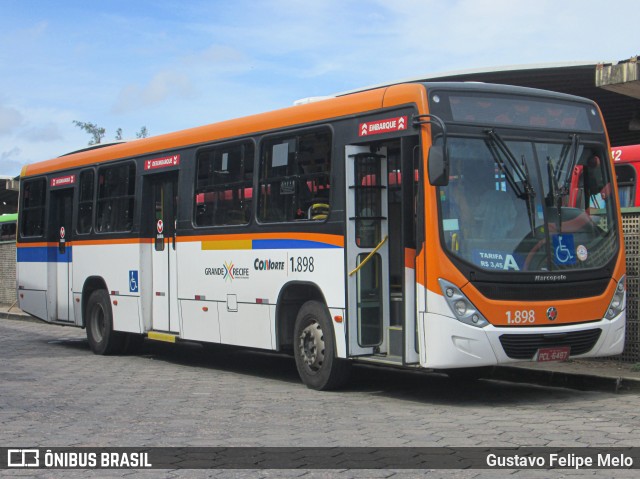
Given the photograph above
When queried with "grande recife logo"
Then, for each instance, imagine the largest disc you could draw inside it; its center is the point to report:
(229, 271)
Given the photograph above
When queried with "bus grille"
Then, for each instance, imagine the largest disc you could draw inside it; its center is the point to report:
(533, 292)
(524, 346)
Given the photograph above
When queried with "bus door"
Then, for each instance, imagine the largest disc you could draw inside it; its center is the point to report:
(164, 199)
(367, 250)
(60, 262)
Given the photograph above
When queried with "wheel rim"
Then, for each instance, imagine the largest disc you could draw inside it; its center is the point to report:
(311, 346)
(97, 323)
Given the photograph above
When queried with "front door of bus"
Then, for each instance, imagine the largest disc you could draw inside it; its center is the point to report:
(164, 195)
(60, 233)
(367, 250)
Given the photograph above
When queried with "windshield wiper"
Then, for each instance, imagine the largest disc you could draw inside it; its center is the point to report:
(522, 186)
(575, 140)
(556, 192)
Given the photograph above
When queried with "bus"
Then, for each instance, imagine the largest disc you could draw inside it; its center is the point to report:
(431, 226)
(627, 162)
(8, 222)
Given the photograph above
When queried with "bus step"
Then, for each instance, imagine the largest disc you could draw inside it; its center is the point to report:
(395, 340)
(158, 336)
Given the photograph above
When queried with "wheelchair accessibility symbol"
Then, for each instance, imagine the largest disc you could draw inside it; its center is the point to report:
(564, 250)
(133, 281)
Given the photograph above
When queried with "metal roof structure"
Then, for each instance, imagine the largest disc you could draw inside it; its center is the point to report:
(8, 195)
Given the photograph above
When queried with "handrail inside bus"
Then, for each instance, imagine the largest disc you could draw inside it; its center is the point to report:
(369, 256)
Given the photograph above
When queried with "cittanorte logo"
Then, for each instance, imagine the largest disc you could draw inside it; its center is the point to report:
(268, 265)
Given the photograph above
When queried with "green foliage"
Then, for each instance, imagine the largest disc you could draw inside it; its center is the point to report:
(143, 133)
(97, 133)
(94, 130)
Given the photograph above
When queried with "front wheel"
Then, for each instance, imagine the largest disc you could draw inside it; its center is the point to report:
(102, 338)
(315, 349)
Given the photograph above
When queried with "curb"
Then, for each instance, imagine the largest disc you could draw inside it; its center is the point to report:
(18, 317)
(582, 382)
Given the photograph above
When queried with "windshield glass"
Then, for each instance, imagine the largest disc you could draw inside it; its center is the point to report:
(522, 205)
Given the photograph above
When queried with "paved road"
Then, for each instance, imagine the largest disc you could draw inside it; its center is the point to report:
(54, 392)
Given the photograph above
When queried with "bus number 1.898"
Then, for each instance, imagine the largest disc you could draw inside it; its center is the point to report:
(301, 264)
(520, 317)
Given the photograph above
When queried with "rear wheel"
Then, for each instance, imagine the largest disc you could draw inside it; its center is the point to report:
(99, 324)
(315, 350)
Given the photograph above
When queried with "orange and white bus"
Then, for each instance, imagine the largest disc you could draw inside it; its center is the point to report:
(423, 225)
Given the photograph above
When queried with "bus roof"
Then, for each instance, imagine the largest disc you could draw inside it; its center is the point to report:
(626, 154)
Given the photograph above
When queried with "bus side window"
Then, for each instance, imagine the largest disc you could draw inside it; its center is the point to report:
(295, 177)
(626, 175)
(85, 202)
(32, 212)
(224, 185)
(116, 195)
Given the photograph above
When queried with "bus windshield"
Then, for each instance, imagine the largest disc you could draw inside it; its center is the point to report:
(528, 205)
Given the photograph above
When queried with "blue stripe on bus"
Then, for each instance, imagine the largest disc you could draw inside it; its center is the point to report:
(289, 244)
(44, 254)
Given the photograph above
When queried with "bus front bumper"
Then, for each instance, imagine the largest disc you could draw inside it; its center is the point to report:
(448, 343)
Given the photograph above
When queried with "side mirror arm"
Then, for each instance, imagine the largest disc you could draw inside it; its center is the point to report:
(438, 159)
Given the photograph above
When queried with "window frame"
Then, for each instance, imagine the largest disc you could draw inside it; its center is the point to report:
(91, 201)
(25, 209)
(248, 152)
(266, 151)
(131, 195)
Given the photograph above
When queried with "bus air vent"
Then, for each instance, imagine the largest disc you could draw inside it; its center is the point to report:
(524, 346)
(546, 291)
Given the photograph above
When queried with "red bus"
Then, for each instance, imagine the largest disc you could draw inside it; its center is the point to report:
(627, 161)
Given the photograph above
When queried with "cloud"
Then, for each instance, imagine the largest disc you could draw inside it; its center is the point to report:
(43, 133)
(217, 56)
(164, 85)
(10, 120)
(10, 164)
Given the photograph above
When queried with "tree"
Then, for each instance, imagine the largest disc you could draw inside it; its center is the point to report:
(143, 133)
(97, 133)
(94, 130)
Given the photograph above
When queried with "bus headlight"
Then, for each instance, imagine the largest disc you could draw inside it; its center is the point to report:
(460, 306)
(618, 301)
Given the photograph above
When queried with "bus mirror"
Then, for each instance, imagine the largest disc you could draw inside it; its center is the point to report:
(438, 164)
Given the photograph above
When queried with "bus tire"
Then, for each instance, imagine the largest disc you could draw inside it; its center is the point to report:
(315, 349)
(102, 338)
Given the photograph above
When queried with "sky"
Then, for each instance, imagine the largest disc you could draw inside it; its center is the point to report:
(170, 65)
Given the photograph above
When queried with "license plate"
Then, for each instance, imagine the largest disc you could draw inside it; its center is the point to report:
(560, 353)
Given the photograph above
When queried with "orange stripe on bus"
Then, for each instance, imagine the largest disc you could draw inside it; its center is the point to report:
(77, 242)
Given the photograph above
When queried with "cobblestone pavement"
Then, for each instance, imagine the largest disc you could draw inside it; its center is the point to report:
(54, 392)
